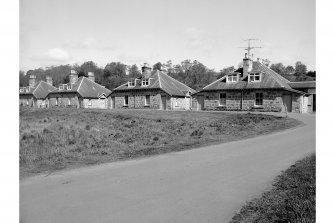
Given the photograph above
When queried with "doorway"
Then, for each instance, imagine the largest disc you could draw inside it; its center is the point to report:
(163, 102)
(314, 102)
(287, 99)
(201, 102)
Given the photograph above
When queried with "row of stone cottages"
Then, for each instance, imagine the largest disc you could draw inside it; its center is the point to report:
(254, 86)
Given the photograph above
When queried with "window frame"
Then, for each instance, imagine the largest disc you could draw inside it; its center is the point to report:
(232, 78)
(147, 100)
(252, 77)
(131, 84)
(56, 101)
(225, 99)
(259, 99)
(126, 98)
(61, 87)
(69, 87)
(145, 82)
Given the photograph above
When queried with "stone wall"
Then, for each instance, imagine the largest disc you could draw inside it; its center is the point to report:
(63, 100)
(180, 103)
(296, 103)
(272, 100)
(26, 100)
(136, 99)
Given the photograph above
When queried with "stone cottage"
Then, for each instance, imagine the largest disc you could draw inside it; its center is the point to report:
(80, 92)
(35, 95)
(309, 87)
(254, 86)
(152, 90)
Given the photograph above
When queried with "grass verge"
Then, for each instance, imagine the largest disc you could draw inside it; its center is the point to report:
(52, 139)
(292, 198)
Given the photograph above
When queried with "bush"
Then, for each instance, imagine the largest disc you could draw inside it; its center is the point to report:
(292, 198)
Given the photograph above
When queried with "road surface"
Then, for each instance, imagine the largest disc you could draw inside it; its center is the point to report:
(202, 185)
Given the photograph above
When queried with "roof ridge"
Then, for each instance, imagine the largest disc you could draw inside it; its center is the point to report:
(80, 86)
(39, 83)
(159, 80)
(221, 78)
(172, 83)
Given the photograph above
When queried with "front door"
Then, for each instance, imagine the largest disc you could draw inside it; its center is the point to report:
(163, 103)
(314, 102)
(288, 102)
(201, 102)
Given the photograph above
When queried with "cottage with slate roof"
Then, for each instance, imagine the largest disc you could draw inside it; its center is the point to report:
(153, 90)
(80, 92)
(35, 95)
(252, 87)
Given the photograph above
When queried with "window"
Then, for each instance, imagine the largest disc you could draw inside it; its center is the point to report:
(256, 77)
(27, 89)
(69, 87)
(126, 100)
(89, 102)
(69, 101)
(131, 83)
(60, 87)
(223, 98)
(145, 82)
(56, 101)
(21, 89)
(232, 78)
(147, 100)
(259, 98)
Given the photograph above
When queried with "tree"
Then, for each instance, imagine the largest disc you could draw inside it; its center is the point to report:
(114, 75)
(134, 72)
(225, 71)
(157, 66)
(23, 79)
(278, 67)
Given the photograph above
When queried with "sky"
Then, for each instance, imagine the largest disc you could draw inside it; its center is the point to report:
(55, 32)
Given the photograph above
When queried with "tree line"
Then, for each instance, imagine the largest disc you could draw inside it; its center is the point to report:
(192, 73)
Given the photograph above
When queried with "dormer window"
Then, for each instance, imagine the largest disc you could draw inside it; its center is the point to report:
(131, 83)
(145, 82)
(254, 77)
(60, 87)
(232, 78)
(27, 89)
(21, 90)
(69, 87)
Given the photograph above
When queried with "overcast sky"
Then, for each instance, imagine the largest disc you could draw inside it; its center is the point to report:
(57, 32)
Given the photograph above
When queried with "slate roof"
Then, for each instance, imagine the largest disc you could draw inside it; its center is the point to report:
(40, 91)
(270, 79)
(303, 84)
(85, 88)
(159, 80)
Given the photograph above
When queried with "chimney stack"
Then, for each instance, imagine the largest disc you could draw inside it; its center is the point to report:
(73, 77)
(91, 76)
(247, 65)
(32, 81)
(49, 80)
(146, 70)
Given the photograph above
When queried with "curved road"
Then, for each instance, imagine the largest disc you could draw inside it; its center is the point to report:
(202, 185)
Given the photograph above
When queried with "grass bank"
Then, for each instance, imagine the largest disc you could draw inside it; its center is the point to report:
(292, 198)
(52, 139)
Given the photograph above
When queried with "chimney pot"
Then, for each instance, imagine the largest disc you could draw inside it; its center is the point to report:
(32, 81)
(49, 80)
(73, 77)
(91, 76)
(146, 70)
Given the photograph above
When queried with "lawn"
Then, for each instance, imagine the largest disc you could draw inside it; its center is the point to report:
(52, 139)
(292, 198)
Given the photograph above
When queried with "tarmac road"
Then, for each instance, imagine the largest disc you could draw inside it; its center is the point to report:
(201, 185)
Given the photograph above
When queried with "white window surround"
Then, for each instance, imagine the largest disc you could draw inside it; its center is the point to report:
(131, 83)
(56, 102)
(259, 96)
(232, 78)
(89, 102)
(126, 98)
(69, 87)
(147, 100)
(222, 99)
(21, 90)
(27, 89)
(145, 82)
(60, 87)
(69, 101)
(254, 77)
